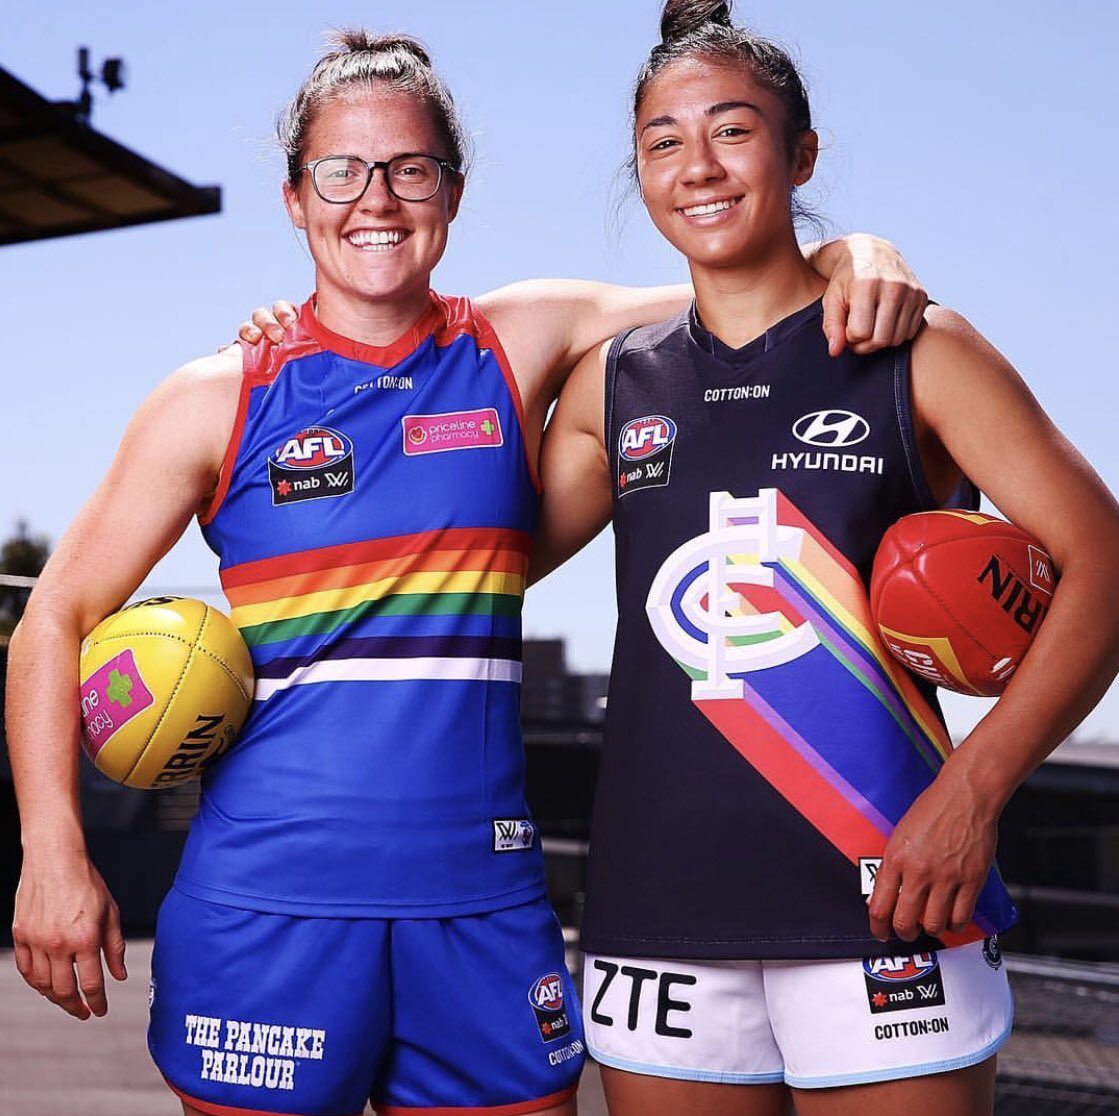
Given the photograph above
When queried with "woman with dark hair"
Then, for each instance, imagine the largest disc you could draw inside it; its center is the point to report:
(791, 895)
(360, 910)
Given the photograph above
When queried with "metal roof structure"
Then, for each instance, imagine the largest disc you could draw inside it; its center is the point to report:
(58, 176)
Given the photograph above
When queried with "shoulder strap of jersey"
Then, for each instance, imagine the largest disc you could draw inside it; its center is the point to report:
(611, 381)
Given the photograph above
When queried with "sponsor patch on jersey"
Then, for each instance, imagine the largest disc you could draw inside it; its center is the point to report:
(829, 433)
(645, 453)
(546, 998)
(453, 430)
(387, 382)
(313, 464)
(868, 869)
(903, 983)
(513, 834)
(110, 697)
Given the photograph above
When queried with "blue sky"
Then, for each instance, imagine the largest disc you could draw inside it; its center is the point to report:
(978, 137)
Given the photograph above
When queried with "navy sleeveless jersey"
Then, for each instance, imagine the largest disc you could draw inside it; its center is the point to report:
(373, 522)
(760, 743)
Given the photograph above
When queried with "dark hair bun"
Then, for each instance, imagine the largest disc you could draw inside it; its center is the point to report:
(356, 40)
(679, 18)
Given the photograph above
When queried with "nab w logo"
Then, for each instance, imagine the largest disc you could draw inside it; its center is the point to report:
(832, 429)
(513, 834)
(313, 464)
(698, 615)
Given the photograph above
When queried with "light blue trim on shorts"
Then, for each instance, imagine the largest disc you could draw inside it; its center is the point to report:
(899, 1072)
(681, 1074)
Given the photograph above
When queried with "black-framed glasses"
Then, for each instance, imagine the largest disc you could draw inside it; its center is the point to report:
(339, 179)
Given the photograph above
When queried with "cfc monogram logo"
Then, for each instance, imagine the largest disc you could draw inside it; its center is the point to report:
(699, 617)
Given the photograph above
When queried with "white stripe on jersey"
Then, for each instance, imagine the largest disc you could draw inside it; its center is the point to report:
(392, 670)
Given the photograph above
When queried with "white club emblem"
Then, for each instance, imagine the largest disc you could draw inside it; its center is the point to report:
(726, 637)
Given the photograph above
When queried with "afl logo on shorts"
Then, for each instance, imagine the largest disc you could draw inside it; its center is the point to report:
(901, 969)
(645, 453)
(546, 997)
(315, 463)
(903, 983)
(547, 993)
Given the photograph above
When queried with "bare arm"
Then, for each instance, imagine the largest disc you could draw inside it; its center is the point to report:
(574, 469)
(975, 404)
(167, 464)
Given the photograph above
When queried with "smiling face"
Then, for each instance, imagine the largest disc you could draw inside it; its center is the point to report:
(715, 170)
(377, 247)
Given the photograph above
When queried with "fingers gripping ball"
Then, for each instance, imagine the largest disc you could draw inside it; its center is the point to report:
(959, 597)
(165, 686)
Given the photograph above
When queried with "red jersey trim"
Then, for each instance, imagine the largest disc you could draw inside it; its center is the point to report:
(520, 1109)
(260, 364)
(384, 356)
(225, 1110)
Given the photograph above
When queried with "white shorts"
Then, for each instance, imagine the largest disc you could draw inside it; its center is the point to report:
(811, 1024)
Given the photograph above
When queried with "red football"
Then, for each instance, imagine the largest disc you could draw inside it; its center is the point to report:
(959, 596)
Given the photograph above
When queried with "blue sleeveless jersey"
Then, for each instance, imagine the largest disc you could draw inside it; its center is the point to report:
(373, 522)
(761, 744)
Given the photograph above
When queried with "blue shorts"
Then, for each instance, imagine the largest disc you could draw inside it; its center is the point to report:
(265, 1013)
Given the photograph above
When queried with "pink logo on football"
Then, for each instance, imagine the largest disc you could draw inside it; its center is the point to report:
(110, 697)
(454, 430)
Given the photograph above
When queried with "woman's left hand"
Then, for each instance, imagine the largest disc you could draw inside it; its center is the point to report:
(935, 864)
(873, 299)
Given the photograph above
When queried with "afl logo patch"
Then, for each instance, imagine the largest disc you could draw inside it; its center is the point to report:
(903, 983)
(831, 429)
(547, 993)
(901, 969)
(645, 453)
(312, 464)
(546, 998)
(643, 437)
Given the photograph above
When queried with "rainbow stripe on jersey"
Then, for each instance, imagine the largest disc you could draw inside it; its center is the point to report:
(374, 520)
(790, 642)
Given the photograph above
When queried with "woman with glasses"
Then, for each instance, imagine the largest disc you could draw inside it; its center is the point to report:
(360, 909)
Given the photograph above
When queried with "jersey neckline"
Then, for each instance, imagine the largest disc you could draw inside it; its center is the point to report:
(752, 351)
(384, 356)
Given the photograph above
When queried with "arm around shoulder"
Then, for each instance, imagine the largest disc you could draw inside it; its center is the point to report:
(547, 325)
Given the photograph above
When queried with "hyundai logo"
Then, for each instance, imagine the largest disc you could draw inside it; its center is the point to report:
(832, 429)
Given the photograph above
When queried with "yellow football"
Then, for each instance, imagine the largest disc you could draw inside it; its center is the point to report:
(165, 686)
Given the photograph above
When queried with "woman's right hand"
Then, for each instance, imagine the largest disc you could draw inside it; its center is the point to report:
(65, 919)
(269, 323)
